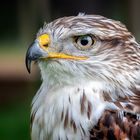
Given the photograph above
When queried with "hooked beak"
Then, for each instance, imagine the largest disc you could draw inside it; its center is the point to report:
(37, 50)
(34, 53)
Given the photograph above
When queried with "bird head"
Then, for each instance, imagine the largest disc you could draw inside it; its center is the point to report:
(85, 45)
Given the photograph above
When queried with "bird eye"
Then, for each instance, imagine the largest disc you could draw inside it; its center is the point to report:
(84, 42)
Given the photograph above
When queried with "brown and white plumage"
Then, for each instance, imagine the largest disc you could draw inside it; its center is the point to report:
(89, 64)
(112, 127)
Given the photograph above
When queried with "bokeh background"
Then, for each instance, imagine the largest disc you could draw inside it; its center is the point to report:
(19, 22)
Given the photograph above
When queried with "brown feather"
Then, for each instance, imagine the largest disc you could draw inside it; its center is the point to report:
(112, 127)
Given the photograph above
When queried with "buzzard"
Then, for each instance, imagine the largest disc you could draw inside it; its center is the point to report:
(90, 69)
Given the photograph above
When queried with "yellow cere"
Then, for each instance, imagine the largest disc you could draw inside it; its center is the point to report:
(64, 56)
(44, 40)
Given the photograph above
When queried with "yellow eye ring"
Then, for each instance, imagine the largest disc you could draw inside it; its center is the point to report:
(84, 42)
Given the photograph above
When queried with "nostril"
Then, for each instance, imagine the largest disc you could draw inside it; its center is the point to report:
(45, 45)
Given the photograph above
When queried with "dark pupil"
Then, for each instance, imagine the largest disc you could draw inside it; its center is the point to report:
(84, 41)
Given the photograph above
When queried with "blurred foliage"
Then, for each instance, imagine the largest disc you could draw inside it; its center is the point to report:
(14, 122)
(15, 113)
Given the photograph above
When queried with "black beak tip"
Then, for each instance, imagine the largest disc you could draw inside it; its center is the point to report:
(33, 53)
(28, 58)
(28, 64)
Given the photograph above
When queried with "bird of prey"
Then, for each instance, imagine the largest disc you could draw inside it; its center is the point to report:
(90, 69)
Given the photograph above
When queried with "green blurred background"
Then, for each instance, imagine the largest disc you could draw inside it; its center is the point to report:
(19, 22)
